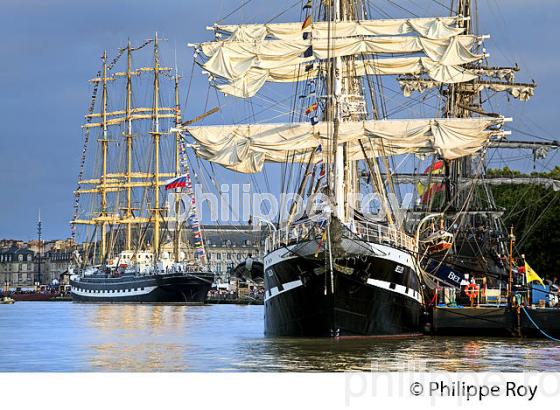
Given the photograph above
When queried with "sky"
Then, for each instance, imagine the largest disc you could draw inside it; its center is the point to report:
(50, 49)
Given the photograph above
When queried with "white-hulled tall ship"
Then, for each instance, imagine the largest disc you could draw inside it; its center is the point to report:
(136, 245)
(340, 269)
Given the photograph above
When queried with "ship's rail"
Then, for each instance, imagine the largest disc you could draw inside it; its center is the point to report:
(366, 231)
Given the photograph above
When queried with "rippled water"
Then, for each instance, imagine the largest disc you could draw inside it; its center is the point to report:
(58, 336)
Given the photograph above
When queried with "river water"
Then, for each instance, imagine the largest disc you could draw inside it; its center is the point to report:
(67, 337)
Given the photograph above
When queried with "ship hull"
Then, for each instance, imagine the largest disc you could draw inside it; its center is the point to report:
(366, 295)
(182, 288)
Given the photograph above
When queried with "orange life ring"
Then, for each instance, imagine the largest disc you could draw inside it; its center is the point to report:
(472, 290)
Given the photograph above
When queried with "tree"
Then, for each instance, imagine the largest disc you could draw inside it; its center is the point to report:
(534, 212)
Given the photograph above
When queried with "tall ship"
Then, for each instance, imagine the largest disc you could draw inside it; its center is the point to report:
(136, 213)
(346, 265)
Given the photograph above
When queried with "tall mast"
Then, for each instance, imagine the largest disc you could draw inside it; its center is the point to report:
(336, 72)
(177, 236)
(40, 247)
(128, 240)
(104, 146)
(156, 136)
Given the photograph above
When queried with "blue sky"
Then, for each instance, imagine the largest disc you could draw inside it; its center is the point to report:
(50, 49)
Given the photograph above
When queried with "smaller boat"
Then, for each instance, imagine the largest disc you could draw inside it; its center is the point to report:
(6, 300)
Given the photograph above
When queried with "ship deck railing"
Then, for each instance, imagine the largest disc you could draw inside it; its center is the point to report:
(366, 231)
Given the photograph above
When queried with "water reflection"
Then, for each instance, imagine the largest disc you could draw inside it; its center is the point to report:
(71, 337)
(138, 338)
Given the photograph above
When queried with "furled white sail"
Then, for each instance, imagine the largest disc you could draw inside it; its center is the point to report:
(254, 79)
(245, 148)
(435, 28)
(522, 92)
(248, 66)
(231, 59)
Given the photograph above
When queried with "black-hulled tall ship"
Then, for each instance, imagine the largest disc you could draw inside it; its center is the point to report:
(342, 268)
(139, 245)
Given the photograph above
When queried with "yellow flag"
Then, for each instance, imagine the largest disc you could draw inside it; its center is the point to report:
(531, 275)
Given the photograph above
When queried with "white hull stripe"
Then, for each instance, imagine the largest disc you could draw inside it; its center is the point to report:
(286, 287)
(110, 294)
(393, 287)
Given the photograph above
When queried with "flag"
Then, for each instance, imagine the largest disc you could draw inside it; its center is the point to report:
(531, 275)
(314, 120)
(321, 243)
(427, 193)
(307, 22)
(309, 52)
(178, 182)
(311, 108)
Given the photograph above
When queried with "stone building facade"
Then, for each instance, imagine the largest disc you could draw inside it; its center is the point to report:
(24, 265)
(229, 245)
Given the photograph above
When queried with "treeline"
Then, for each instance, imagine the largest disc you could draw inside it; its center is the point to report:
(534, 212)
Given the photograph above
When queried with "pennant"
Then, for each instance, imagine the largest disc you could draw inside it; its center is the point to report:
(308, 52)
(307, 22)
(311, 108)
(314, 120)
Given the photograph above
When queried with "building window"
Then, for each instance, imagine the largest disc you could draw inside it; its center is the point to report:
(219, 256)
(229, 256)
(28, 258)
(20, 258)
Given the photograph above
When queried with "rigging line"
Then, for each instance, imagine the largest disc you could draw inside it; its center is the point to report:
(234, 11)
(529, 134)
(536, 222)
(284, 12)
(443, 5)
(401, 7)
(537, 326)
(188, 93)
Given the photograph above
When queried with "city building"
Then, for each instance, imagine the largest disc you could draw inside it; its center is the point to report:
(25, 265)
(229, 245)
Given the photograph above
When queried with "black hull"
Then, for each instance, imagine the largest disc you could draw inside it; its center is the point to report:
(180, 288)
(299, 300)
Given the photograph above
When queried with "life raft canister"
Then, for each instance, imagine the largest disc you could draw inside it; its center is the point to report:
(472, 290)
(440, 247)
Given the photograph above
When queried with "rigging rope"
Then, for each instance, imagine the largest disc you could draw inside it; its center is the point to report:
(537, 326)
(89, 118)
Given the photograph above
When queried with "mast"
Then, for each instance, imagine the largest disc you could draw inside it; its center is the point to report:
(104, 147)
(128, 239)
(156, 137)
(339, 164)
(177, 236)
(40, 246)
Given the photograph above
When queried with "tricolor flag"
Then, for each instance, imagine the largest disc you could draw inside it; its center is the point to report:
(178, 182)
(307, 22)
(427, 192)
(311, 108)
